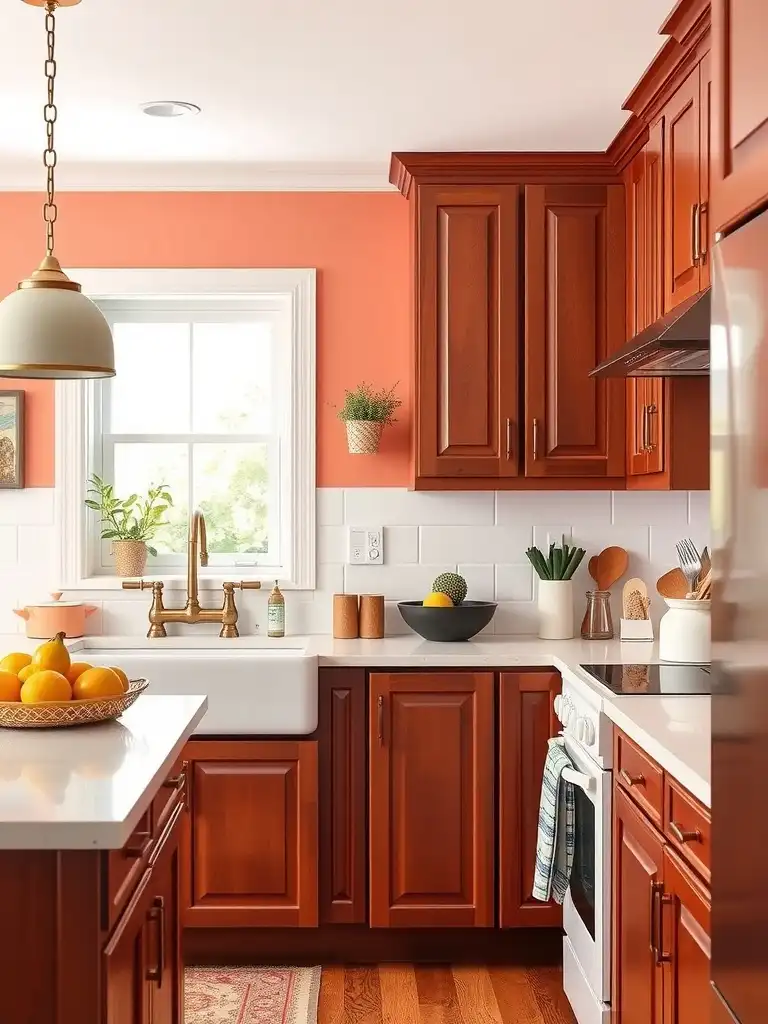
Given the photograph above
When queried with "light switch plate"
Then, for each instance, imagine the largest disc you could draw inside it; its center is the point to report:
(365, 545)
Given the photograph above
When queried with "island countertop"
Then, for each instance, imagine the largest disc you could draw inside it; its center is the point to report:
(86, 788)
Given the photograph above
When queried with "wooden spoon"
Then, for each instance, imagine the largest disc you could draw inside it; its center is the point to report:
(592, 565)
(672, 584)
(611, 565)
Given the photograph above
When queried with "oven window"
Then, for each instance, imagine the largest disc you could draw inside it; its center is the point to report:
(583, 871)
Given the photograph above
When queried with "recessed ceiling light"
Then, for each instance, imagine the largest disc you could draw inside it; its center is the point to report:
(169, 108)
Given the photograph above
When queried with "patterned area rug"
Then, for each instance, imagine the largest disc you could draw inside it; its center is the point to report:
(251, 995)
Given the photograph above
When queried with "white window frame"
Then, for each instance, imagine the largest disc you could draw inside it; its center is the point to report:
(78, 421)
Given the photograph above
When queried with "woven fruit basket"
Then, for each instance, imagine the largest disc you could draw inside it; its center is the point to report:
(62, 713)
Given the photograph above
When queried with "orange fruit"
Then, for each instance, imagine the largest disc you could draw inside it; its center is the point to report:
(121, 676)
(26, 672)
(10, 687)
(97, 682)
(44, 686)
(76, 669)
(15, 662)
(52, 655)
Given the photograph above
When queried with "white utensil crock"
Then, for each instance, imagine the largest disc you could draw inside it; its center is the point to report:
(556, 609)
(685, 631)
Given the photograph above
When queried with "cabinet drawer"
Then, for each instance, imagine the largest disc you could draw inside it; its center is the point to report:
(687, 825)
(640, 776)
(170, 793)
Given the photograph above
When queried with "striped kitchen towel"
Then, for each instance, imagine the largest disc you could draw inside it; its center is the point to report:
(557, 814)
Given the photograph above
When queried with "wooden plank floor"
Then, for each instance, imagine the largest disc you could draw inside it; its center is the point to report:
(434, 994)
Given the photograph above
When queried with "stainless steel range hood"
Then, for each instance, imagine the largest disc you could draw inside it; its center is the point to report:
(677, 345)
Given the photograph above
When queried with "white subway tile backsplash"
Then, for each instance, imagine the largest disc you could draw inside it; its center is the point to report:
(647, 508)
(480, 581)
(393, 506)
(492, 544)
(36, 550)
(514, 582)
(545, 507)
(515, 618)
(699, 512)
(30, 505)
(395, 582)
(401, 545)
(331, 544)
(330, 506)
(9, 545)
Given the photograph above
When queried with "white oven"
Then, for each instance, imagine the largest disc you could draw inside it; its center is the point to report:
(587, 905)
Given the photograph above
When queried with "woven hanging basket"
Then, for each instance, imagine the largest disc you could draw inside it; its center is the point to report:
(364, 436)
(130, 557)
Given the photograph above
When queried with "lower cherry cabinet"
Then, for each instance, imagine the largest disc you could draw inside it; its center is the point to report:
(251, 842)
(431, 799)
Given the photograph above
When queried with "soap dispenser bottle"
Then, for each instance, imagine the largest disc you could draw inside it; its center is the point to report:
(276, 613)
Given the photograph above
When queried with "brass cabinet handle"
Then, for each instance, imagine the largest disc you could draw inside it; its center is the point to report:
(632, 780)
(659, 899)
(178, 781)
(380, 718)
(684, 836)
(651, 412)
(157, 913)
(509, 438)
(703, 246)
(644, 431)
(535, 439)
(695, 234)
(139, 845)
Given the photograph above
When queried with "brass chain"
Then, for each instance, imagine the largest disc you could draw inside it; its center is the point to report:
(50, 113)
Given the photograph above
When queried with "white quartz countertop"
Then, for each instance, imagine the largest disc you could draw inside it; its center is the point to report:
(86, 787)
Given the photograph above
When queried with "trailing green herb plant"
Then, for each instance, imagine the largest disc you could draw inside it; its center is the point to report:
(366, 403)
(561, 563)
(131, 518)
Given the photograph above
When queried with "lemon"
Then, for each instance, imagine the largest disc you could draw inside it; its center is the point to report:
(121, 676)
(15, 662)
(97, 682)
(437, 600)
(76, 669)
(26, 672)
(44, 686)
(52, 655)
(10, 687)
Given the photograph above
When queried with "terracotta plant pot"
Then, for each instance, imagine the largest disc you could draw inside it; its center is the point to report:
(130, 557)
(364, 436)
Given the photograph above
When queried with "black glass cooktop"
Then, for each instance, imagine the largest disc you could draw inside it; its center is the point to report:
(670, 678)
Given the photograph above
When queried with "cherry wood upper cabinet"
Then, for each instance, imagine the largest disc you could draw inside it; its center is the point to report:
(431, 799)
(682, 193)
(252, 842)
(705, 171)
(637, 996)
(739, 109)
(686, 933)
(467, 316)
(574, 317)
(526, 721)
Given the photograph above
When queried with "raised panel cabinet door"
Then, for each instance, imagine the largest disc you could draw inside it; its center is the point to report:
(637, 278)
(431, 800)
(682, 195)
(705, 170)
(637, 989)
(526, 722)
(165, 968)
(685, 933)
(127, 961)
(575, 315)
(654, 290)
(739, 109)
(343, 793)
(253, 834)
(467, 331)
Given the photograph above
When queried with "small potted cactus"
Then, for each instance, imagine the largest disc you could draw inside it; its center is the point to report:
(366, 412)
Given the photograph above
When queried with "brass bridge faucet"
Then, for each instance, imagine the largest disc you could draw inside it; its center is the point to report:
(192, 612)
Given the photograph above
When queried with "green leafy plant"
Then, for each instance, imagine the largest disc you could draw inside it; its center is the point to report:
(131, 518)
(366, 403)
(561, 563)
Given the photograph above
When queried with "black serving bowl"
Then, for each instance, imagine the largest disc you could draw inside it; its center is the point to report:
(447, 625)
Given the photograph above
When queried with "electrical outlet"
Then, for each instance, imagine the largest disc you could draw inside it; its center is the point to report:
(365, 545)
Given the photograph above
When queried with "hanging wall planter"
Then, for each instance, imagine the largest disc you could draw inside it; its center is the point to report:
(366, 412)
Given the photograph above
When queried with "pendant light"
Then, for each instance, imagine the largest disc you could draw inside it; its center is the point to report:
(48, 328)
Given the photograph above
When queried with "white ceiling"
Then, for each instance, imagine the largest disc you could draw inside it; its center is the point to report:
(311, 91)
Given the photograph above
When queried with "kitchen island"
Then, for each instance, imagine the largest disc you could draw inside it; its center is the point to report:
(90, 820)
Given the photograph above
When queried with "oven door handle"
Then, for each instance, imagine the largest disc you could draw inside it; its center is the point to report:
(585, 782)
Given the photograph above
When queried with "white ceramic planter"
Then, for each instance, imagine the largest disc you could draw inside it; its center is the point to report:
(685, 631)
(556, 609)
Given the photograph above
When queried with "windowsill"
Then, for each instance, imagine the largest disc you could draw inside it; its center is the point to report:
(174, 581)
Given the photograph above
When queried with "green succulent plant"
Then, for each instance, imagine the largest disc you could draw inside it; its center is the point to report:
(560, 564)
(367, 403)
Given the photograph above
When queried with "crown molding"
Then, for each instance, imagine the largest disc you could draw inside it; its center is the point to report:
(198, 177)
(631, 138)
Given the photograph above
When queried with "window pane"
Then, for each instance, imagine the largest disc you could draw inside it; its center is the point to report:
(232, 378)
(141, 466)
(231, 487)
(150, 393)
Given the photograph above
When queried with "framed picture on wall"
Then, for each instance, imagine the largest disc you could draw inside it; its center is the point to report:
(11, 438)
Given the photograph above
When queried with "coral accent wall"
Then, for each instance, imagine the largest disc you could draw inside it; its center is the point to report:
(359, 243)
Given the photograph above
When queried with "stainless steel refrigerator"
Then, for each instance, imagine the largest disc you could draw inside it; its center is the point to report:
(739, 446)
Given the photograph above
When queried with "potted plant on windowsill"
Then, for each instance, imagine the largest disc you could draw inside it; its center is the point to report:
(129, 522)
(366, 411)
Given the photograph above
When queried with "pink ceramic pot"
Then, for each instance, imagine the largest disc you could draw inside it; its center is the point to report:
(48, 618)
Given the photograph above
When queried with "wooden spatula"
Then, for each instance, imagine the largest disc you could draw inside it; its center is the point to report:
(611, 565)
(592, 565)
(672, 584)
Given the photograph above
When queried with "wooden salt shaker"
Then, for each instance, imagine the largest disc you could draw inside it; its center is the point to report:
(372, 616)
(345, 617)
